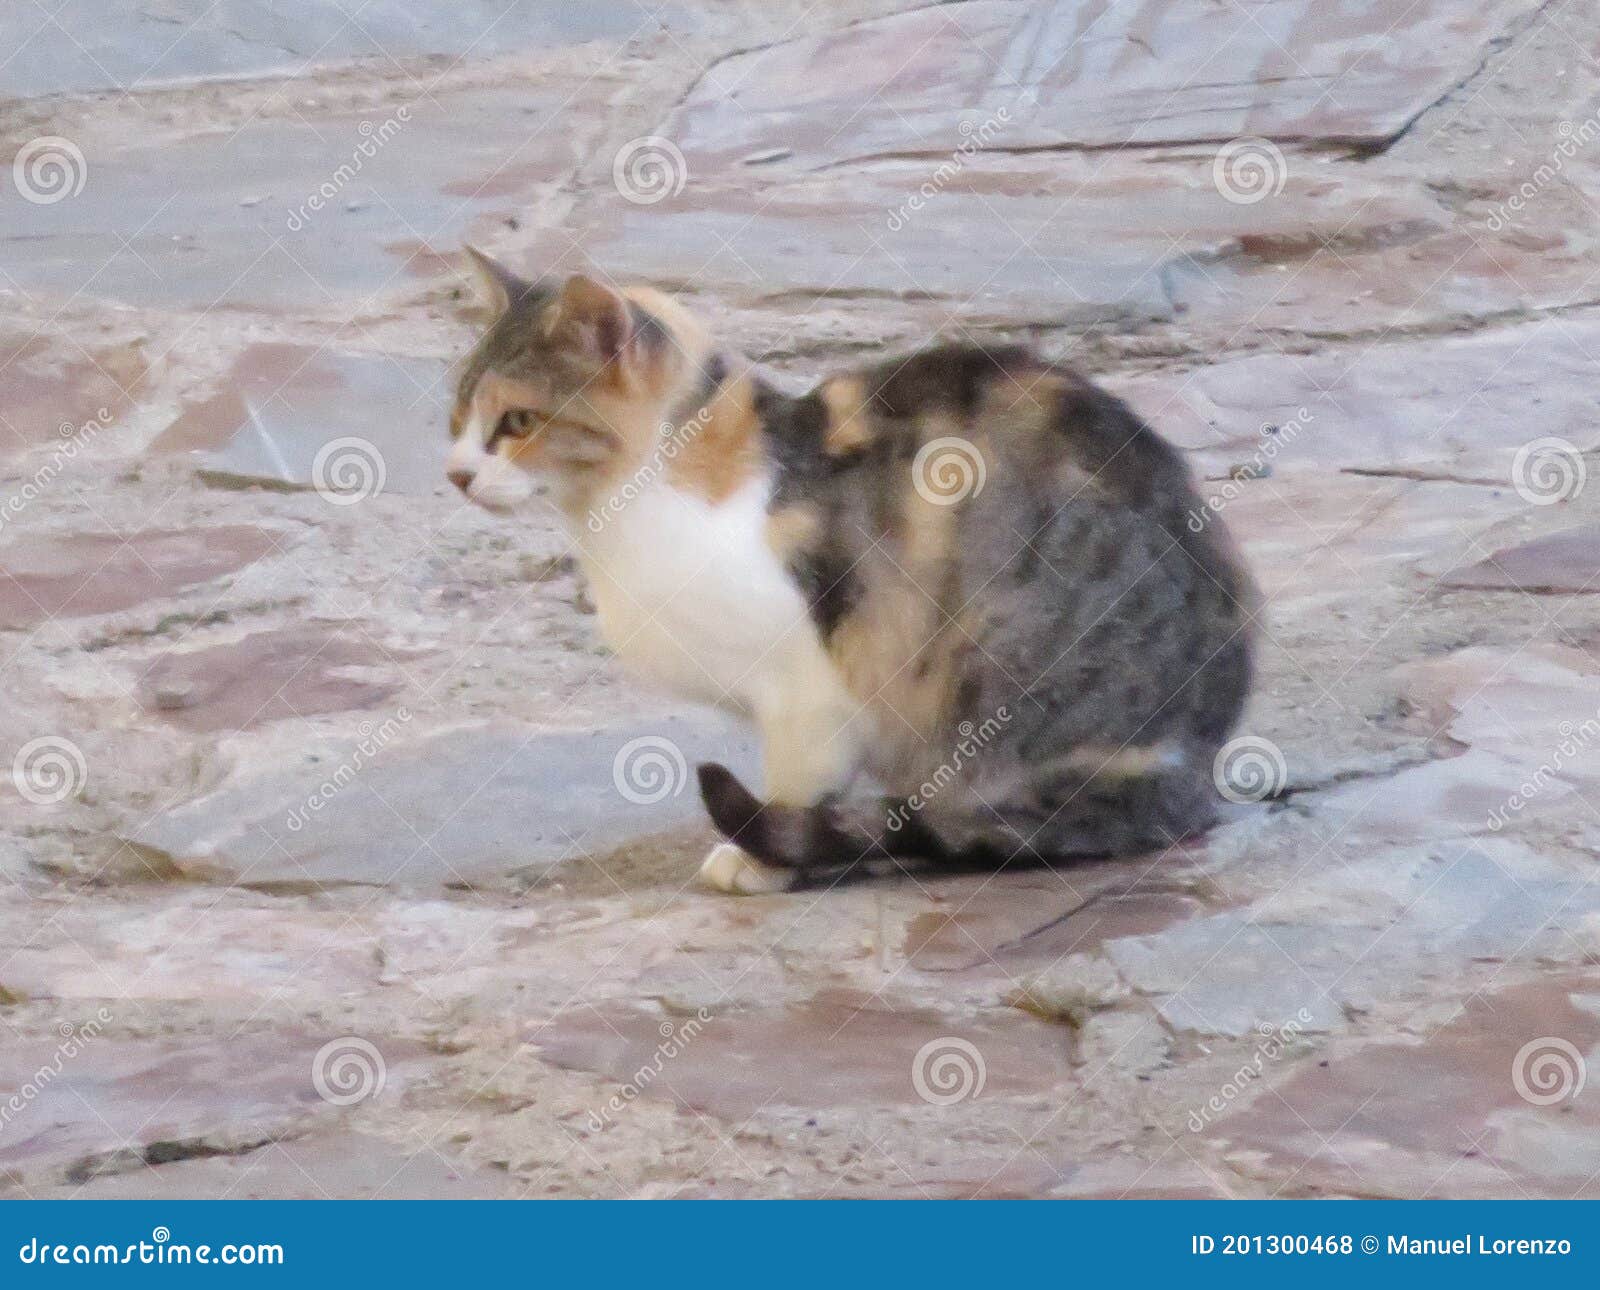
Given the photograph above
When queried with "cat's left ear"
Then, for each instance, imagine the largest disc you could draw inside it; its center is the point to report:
(595, 316)
(497, 286)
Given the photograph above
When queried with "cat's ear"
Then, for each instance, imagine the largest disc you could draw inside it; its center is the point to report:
(594, 315)
(496, 286)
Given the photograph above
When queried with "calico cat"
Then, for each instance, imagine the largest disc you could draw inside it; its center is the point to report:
(966, 572)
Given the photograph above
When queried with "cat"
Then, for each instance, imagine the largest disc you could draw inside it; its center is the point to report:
(964, 572)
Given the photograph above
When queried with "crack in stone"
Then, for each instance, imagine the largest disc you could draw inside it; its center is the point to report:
(1491, 51)
(154, 1154)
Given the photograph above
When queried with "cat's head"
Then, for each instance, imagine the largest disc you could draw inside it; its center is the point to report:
(572, 380)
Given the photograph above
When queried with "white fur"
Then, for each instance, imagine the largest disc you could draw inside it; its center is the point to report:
(497, 485)
(693, 597)
(728, 869)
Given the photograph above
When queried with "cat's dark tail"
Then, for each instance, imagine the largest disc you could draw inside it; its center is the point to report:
(1060, 812)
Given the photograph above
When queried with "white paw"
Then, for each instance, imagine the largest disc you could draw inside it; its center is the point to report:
(729, 869)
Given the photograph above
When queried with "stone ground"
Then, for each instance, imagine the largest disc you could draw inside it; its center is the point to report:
(340, 860)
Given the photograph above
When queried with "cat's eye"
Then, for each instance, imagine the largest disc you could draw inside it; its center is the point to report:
(518, 424)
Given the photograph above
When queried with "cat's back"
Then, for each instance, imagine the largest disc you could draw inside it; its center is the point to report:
(989, 501)
(959, 437)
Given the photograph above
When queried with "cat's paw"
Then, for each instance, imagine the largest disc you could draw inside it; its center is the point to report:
(733, 871)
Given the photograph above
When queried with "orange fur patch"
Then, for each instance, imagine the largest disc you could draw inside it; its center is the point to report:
(495, 395)
(793, 529)
(1109, 764)
(849, 426)
(1030, 394)
(720, 448)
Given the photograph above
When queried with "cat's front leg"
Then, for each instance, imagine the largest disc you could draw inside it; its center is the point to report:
(809, 749)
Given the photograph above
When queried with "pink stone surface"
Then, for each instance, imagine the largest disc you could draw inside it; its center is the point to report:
(83, 574)
(115, 1102)
(1081, 241)
(270, 676)
(1008, 928)
(279, 406)
(1380, 408)
(1427, 1116)
(1566, 563)
(324, 1166)
(861, 1053)
(1089, 73)
(51, 394)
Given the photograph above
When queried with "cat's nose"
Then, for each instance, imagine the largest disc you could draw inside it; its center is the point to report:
(462, 479)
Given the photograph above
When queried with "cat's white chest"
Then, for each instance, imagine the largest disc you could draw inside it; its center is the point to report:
(690, 595)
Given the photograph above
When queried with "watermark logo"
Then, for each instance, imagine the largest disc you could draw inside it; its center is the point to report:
(75, 1036)
(974, 139)
(1574, 138)
(373, 140)
(1548, 1070)
(948, 1070)
(348, 1070)
(649, 769)
(1274, 1041)
(648, 170)
(49, 769)
(49, 169)
(1549, 470)
(73, 439)
(1249, 769)
(1275, 436)
(1248, 170)
(160, 1250)
(948, 470)
(973, 740)
(670, 441)
(369, 743)
(1574, 739)
(348, 470)
(675, 1037)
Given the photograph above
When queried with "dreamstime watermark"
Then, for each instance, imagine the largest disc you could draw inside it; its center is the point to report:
(374, 138)
(160, 1250)
(948, 1070)
(1274, 1042)
(49, 769)
(648, 170)
(669, 443)
(1573, 740)
(74, 438)
(675, 1037)
(348, 1070)
(1248, 170)
(1249, 769)
(1275, 436)
(974, 739)
(1548, 1070)
(1574, 139)
(348, 470)
(74, 1038)
(370, 742)
(649, 769)
(1549, 470)
(975, 138)
(49, 169)
(948, 470)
